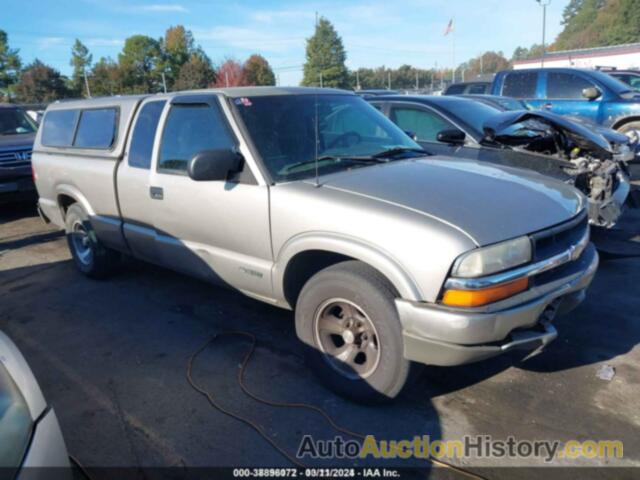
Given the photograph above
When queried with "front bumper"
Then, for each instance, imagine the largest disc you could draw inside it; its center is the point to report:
(46, 456)
(606, 214)
(17, 189)
(438, 335)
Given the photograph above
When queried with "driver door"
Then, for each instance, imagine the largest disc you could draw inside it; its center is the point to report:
(216, 230)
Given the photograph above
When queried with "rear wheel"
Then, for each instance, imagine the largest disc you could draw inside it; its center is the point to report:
(89, 254)
(347, 318)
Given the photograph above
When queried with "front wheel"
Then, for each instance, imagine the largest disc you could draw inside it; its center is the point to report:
(347, 319)
(89, 254)
(631, 130)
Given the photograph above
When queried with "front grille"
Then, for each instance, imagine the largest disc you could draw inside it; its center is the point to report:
(558, 239)
(15, 158)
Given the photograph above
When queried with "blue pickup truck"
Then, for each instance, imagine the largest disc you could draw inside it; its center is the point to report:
(587, 94)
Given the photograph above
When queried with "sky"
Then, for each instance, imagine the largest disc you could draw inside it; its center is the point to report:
(374, 32)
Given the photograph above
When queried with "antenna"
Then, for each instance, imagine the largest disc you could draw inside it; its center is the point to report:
(315, 130)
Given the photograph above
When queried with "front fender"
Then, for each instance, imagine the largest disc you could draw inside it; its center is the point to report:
(352, 247)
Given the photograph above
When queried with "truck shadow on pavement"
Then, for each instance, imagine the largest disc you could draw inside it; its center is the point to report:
(111, 356)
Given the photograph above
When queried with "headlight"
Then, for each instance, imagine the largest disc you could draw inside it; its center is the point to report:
(15, 422)
(492, 259)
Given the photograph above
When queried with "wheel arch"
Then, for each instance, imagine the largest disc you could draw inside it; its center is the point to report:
(66, 195)
(304, 255)
(623, 121)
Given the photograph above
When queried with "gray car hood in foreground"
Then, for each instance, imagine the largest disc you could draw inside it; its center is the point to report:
(489, 202)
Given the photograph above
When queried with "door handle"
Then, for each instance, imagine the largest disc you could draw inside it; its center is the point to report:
(156, 193)
(547, 106)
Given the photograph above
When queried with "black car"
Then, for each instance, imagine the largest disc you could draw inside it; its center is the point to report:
(625, 147)
(17, 133)
(375, 92)
(502, 103)
(468, 88)
(630, 77)
(537, 140)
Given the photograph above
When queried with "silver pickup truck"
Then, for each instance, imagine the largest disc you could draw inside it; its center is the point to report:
(312, 200)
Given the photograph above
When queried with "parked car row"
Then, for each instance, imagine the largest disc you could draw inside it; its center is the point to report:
(481, 128)
(17, 132)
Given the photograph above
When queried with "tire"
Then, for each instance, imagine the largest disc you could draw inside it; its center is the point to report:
(353, 297)
(90, 256)
(629, 128)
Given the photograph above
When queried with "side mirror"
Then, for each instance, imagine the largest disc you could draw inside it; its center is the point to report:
(452, 136)
(411, 135)
(591, 93)
(210, 165)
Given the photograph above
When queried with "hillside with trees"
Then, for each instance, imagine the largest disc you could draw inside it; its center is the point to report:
(592, 23)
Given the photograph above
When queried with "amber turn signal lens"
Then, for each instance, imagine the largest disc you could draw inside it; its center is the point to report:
(476, 298)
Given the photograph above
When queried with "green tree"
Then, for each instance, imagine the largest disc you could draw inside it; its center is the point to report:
(257, 71)
(40, 83)
(488, 62)
(107, 78)
(9, 66)
(177, 48)
(523, 53)
(197, 72)
(140, 62)
(579, 18)
(325, 58)
(618, 22)
(81, 62)
(571, 10)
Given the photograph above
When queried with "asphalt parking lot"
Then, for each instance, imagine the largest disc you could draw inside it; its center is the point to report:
(111, 357)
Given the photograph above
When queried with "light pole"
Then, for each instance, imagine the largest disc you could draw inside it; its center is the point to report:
(543, 4)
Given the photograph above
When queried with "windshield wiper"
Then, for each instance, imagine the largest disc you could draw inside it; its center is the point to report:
(392, 152)
(334, 158)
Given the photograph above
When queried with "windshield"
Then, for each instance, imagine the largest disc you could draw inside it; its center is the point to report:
(614, 84)
(15, 121)
(473, 113)
(284, 130)
(510, 104)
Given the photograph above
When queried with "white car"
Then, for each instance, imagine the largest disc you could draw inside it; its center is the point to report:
(30, 436)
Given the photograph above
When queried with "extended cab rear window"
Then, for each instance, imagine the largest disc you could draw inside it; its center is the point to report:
(97, 128)
(58, 127)
(520, 84)
(81, 128)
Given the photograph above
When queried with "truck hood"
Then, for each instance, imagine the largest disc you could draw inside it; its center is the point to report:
(490, 203)
(582, 136)
(17, 141)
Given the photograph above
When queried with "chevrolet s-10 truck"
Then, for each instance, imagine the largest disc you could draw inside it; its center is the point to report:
(311, 200)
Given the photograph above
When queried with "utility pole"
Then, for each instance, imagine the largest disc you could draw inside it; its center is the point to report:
(164, 82)
(86, 83)
(389, 80)
(358, 80)
(543, 4)
(417, 81)
(321, 83)
(433, 77)
(481, 63)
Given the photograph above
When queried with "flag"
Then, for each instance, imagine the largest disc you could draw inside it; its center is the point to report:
(449, 28)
